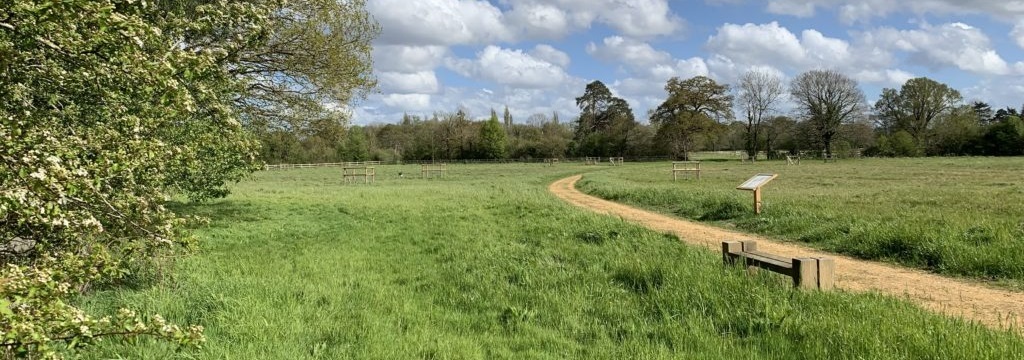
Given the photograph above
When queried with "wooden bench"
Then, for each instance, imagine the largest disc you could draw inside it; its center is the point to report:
(431, 170)
(351, 173)
(685, 167)
(551, 161)
(616, 161)
(592, 160)
(792, 159)
(807, 273)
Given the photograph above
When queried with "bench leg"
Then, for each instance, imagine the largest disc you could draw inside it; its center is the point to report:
(750, 246)
(826, 273)
(728, 249)
(805, 273)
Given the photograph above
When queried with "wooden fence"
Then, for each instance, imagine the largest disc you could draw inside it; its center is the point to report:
(319, 165)
(685, 167)
(432, 170)
(353, 173)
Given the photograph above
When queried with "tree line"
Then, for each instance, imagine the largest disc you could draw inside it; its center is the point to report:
(829, 115)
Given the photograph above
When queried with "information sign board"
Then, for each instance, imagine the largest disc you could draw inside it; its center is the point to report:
(756, 182)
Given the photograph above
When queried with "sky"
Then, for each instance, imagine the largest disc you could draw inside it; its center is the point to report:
(536, 56)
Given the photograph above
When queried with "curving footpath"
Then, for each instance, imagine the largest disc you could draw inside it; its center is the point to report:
(996, 308)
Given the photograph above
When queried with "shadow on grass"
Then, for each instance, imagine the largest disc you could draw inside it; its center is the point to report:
(221, 211)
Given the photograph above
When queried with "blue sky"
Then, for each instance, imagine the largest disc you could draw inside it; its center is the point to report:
(536, 56)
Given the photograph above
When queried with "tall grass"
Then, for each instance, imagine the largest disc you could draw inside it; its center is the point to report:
(961, 216)
(486, 264)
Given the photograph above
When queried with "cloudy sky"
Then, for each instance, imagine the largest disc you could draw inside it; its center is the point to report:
(536, 56)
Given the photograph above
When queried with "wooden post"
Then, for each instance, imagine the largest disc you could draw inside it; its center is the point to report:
(730, 247)
(805, 273)
(826, 273)
(757, 201)
(749, 246)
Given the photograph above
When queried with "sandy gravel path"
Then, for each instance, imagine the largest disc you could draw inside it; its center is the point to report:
(996, 308)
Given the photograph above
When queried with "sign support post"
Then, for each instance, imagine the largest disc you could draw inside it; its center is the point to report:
(757, 201)
(754, 184)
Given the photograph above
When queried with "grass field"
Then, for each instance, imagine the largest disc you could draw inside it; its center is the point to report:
(486, 264)
(957, 216)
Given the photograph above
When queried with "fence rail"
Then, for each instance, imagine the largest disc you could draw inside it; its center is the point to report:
(318, 165)
(461, 161)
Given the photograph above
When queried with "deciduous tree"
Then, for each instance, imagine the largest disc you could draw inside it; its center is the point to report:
(760, 91)
(916, 106)
(827, 99)
(690, 109)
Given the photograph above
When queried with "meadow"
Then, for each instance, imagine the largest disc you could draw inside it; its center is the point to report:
(954, 216)
(484, 264)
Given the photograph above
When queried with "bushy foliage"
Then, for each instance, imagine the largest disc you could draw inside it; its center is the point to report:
(493, 143)
(106, 111)
(900, 144)
(1005, 138)
(38, 320)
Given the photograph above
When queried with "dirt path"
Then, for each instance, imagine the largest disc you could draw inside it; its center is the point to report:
(993, 307)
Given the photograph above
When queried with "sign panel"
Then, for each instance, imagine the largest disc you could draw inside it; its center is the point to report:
(756, 182)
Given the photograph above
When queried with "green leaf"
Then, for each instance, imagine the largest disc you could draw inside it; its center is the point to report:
(5, 307)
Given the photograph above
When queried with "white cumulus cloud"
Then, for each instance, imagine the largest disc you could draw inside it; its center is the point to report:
(403, 58)
(635, 18)
(439, 22)
(419, 102)
(791, 7)
(540, 20)
(421, 82)
(853, 11)
(550, 54)
(510, 67)
(634, 53)
(953, 44)
(1018, 33)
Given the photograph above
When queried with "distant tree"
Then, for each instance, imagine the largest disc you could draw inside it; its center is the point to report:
(858, 134)
(597, 107)
(604, 122)
(957, 132)
(692, 107)
(1003, 114)
(888, 111)
(507, 117)
(900, 144)
(778, 131)
(455, 134)
(760, 92)
(915, 107)
(356, 147)
(733, 138)
(555, 139)
(1005, 138)
(493, 142)
(827, 99)
(983, 111)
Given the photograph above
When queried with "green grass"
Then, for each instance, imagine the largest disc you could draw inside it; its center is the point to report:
(486, 264)
(956, 216)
